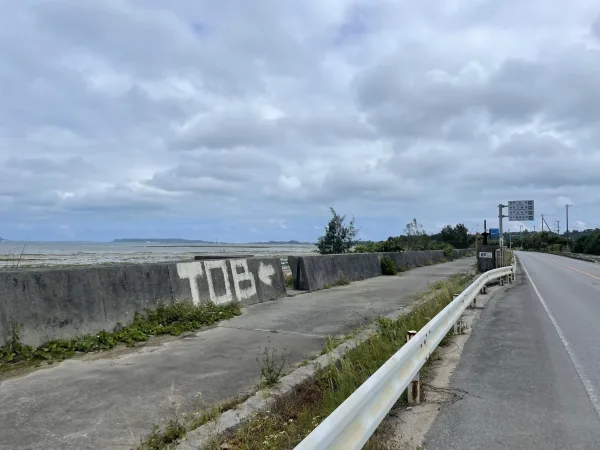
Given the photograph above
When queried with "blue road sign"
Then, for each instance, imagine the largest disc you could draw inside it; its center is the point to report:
(494, 233)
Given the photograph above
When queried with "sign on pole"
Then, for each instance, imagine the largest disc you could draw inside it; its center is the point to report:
(494, 233)
(521, 210)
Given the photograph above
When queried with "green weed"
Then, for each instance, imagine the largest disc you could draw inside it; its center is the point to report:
(289, 281)
(294, 416)
(272, 365)
(172, 319)
(341, 281)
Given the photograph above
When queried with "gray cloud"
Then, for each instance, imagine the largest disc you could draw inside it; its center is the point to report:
(258, 116)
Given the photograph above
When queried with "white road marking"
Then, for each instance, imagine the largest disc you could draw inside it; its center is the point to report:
(587, 384)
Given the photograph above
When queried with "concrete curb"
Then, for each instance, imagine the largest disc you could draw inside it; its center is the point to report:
(230, 420)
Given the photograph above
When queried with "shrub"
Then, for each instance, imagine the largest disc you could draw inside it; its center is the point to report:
(289, 281)
(448, 251)
(388, 267)
(339, 236)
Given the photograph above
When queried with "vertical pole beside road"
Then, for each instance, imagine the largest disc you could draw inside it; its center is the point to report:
(567, 232)
(521, 235)
(500, 216)
(501, 240)
(414, 388)
(542, 222)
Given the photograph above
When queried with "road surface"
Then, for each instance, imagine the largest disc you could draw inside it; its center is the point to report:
(532, 365)
(110, 403)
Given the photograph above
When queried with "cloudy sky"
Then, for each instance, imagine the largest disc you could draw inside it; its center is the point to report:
(246, 120)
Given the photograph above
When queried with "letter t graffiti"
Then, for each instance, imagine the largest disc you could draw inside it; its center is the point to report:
(191, 271)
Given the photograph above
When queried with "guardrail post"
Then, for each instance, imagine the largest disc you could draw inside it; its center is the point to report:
(457, 327)
(414, 388)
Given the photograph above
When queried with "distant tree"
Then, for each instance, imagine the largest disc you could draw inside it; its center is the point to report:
(457, 236)
(592, 244)
(461, 236)
(416, 236)
(339, 236)
(447, 234)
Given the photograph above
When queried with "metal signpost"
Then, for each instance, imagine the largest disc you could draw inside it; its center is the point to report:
(521, 211)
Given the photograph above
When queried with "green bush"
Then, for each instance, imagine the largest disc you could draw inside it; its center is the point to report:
(289, 281)
(448, 251)
(388, 267)
(173, 319)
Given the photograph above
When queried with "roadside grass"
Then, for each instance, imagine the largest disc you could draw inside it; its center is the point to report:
(177, 427)
(289, 281)
(294, 416)
(172, 319)
(341, 281)
(271, 362)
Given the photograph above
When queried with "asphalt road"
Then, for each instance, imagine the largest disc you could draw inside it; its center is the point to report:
(532, 365)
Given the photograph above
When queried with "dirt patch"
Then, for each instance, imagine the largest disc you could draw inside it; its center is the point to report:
(406, 428)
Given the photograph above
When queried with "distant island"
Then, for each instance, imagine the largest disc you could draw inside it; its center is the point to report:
(193, 241)
(284, 243)
(162, 241)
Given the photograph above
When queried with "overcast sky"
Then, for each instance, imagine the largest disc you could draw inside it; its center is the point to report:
(246, 120)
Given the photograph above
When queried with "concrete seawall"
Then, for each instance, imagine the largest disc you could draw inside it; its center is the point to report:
(461, 253)
(317, 271)
(68, 302)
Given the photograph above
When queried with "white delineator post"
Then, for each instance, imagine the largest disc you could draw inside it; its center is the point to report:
(414, 388)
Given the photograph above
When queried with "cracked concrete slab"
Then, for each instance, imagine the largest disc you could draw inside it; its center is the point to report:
(112, 403)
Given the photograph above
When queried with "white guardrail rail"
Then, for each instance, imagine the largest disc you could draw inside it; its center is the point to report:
(355, 420)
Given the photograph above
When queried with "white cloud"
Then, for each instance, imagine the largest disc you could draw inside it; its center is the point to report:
(121, 117)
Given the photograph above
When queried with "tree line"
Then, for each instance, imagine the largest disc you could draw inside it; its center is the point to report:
(340, 237)
(586, 241)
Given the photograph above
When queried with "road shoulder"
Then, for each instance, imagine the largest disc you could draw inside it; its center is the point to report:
(523, 391)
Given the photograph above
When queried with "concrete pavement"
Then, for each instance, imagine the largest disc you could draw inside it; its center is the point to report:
(110, 403)
(532, 364)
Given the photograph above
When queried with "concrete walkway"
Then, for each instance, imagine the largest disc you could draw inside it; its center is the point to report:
(111, 403)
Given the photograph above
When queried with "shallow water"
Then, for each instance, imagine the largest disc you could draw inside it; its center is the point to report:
(40, 254)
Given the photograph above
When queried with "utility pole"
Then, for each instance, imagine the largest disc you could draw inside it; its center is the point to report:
(544, 222)
(500, 216)
(567, 232)
(557, 226)
(521, 235)
(534, 228)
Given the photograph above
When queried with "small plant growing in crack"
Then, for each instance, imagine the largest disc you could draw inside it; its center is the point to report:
(272, 364)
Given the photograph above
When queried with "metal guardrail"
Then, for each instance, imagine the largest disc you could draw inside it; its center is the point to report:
(355, 420)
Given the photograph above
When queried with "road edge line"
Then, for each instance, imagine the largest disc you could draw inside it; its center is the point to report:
(587, 384)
